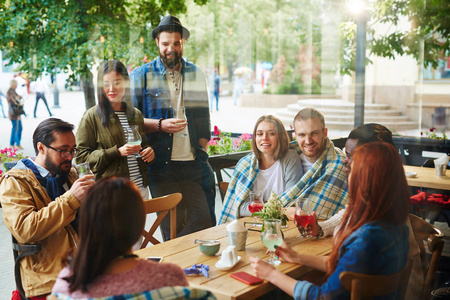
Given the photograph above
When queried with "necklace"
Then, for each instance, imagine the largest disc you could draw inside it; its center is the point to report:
(126, 256)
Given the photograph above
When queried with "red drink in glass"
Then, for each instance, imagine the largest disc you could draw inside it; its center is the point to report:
(304, 224)
(255, 207)
(304, 220)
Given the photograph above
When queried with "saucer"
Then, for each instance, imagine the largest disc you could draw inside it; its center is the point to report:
(222, 267)
(410, 174)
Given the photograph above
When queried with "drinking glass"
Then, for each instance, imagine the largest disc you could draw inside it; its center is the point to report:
(83, 169)
(271, 236)
(304, 219)
(256, 204)
(134, 138)
(180, 113)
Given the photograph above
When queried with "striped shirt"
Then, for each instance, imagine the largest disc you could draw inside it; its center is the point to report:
(133, 167)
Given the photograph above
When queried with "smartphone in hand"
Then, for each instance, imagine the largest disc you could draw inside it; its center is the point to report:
(246, 278)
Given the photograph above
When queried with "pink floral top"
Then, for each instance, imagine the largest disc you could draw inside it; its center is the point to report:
(147, 275)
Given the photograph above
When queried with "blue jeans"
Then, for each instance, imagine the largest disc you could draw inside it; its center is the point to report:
(38, 97)
(195, 181)
(16, 132)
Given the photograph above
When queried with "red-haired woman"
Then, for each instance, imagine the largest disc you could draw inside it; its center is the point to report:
(372, 238)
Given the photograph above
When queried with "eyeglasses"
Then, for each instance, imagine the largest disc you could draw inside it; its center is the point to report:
(65, 153)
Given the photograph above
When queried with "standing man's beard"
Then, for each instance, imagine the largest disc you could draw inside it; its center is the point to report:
(171, 62)
(57, 169)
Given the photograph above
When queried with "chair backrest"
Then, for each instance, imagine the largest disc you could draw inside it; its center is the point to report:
(363, 286)
(161, 205)
(427, 234)
(19, 252)
(223, 187)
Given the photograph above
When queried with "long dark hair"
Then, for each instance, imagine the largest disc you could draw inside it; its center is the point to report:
(378, 191)
(104, 108)
(112, 219)
(283, 137)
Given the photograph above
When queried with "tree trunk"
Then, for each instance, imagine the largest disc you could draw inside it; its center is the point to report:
(87, 83)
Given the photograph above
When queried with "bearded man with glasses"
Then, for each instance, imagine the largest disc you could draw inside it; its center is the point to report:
(40, 200)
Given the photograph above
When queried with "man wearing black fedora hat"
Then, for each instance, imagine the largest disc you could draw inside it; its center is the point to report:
(172, 95)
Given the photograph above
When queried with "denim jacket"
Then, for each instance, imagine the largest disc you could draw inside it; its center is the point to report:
(377, 248)
(150, 93)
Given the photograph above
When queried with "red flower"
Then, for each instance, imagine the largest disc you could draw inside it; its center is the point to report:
(216, 131)
(432, 129)
(421, 133)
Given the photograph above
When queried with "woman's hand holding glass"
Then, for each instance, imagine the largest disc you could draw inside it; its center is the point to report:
(128, 149)
(287, 253)
(148, 154)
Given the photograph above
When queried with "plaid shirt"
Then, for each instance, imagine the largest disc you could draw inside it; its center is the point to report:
(325, 184)
(168, 292)
(151, 95)
(242, 181)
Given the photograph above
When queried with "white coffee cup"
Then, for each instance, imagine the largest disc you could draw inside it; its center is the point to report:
(229, 256)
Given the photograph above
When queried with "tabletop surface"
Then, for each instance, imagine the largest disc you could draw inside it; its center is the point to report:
(184, 253)
(426, 177)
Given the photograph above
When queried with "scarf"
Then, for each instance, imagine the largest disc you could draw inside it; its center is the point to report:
(54, 185)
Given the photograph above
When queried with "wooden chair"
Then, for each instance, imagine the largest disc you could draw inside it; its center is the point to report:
(161, 205)
(427, 234)
(223, 187)
(363, 286)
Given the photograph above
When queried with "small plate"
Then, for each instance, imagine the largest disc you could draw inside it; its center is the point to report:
(222, 267)
(410, 174)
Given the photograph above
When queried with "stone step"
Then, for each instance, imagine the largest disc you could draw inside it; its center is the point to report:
(346, 125)
(339, 115)
(338, 104)
(293, 109)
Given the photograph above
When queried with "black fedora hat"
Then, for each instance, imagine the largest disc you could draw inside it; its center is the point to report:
(171, 23)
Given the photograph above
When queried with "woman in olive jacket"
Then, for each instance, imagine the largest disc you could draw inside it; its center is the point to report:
(101, 134)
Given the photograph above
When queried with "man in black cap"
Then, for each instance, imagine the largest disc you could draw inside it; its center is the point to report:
(172, 95)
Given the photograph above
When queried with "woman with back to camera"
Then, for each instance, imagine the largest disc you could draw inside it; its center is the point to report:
(271, 167)
(112, 219)
(372, 237)
(102, 132)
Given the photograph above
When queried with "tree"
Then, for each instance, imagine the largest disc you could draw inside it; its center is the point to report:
(429, 27)
(73, 35)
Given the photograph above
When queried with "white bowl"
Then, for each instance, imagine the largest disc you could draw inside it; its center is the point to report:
(223, 267)
(410, 174)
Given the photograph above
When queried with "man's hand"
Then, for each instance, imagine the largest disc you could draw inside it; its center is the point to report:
(148, 154)
(313, 227)
(290, 213)
(80, 186)
(173, 125)
(127, 149)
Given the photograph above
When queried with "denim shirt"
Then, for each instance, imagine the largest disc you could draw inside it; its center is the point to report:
(150, 93)
(377, 248)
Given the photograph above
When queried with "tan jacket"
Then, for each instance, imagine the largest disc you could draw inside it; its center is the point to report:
(32, 217)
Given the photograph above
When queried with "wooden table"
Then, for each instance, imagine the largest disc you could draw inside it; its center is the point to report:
(183, 252)
(427, 178)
